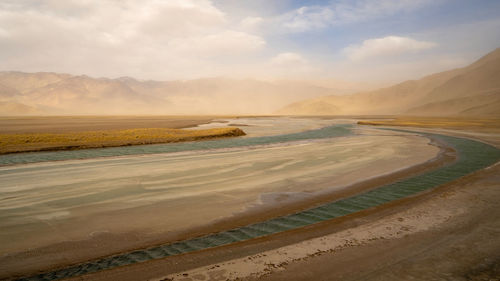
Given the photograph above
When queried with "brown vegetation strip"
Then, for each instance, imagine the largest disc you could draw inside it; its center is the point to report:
(12, 143)
(71, 124)
(436, 122)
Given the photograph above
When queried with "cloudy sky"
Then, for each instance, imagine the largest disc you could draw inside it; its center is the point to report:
(356, 40)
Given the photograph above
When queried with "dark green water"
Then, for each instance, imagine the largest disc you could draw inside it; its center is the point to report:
(472, 156)
(33, 157)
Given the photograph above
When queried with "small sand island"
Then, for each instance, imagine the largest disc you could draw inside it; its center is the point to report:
(31, 142)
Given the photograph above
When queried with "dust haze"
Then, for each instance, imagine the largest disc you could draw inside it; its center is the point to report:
(199, 57)
(64, 94)
(473, 90)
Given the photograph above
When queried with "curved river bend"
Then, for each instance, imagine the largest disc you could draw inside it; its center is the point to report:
(472, 156)
(23, 158)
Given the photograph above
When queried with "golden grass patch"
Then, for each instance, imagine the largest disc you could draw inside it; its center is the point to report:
(11, 143)
(436, 122)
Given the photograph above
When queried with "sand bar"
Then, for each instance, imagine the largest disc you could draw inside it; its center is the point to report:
(418, 237)
(160, 185)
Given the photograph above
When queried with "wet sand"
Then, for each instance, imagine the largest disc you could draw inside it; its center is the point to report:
(447, 234)
(309, 177)
(450, 233)
(269, 126)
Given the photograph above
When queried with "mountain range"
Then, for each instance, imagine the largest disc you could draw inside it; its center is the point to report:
(46, 93)
(469, 91)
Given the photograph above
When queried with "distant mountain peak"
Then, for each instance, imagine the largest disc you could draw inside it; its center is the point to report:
(462, 91)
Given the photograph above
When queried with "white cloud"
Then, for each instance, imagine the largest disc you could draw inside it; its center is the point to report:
(306, 18)
(251, 23)
(218, 44)
(346, 11)
(4, 33)
(386, 46)
(152, 39)
(290, 65)
(288, 59)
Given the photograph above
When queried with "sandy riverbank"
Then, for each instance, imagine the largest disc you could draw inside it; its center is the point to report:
(448, 234)
(309, 176)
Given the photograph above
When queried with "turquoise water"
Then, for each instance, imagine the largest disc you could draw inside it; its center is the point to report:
(33, 157)
(472, 156)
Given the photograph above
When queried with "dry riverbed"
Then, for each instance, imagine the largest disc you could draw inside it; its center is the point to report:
(445, 234)
(450, 233)
(216, 190)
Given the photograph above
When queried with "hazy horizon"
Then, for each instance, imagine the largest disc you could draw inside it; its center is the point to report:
(205, 57)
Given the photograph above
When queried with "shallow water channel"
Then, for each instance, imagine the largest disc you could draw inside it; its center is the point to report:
(472, 156)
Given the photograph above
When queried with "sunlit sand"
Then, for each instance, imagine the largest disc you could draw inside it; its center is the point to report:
(78, 201)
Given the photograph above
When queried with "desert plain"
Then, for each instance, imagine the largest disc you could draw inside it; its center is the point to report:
(61, 213)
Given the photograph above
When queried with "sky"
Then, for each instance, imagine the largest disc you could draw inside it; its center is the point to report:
(352, 40)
